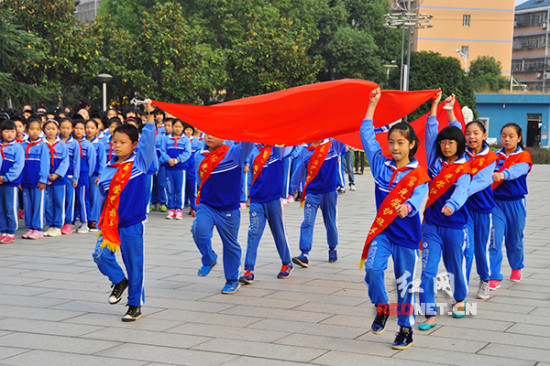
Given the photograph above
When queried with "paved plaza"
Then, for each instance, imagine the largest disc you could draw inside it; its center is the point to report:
(54, 309)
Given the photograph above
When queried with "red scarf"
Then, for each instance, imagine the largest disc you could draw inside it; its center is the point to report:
(209, 163)
(111, 150)
(314, 165)
(108, 221)
(30, 144)
(80, 145)
(53, 153)
(448, 175)
(522, 157)
(397, 196)
(260, 160)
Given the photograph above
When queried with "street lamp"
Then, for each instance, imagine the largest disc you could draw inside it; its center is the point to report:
(105, 78)
(464, 56)
(402, 17)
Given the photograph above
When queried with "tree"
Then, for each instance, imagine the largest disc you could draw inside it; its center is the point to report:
(430, 70)
(485, 73)
(20, 55)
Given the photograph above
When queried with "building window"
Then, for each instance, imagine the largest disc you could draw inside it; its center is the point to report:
(466, 20)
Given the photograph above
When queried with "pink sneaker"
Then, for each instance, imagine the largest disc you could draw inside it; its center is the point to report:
(8, 238)
(67, 229)
(2, 236)
(28, 234)
(36, 235)
(290, 198)
(243, 205)
(21, 214)
(171, 214)
(494, 284)
(179, 215)
(516, 275)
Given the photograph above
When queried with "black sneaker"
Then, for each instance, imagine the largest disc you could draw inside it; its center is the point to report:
(92, 225)
(118, 290)
(133, 314)
(403, 338)
(379, 324)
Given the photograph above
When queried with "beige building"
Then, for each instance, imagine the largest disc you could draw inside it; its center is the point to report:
(530, 60)
(474, 27)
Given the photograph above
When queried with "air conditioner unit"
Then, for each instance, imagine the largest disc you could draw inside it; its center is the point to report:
(547, 75)
(538, 75)
(543, 25)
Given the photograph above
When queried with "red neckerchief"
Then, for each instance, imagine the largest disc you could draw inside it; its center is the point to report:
(480, 162)
(260, 160)
(209, 163)
(3, 146)
(53, 153)
(31, 144)
(80, 145)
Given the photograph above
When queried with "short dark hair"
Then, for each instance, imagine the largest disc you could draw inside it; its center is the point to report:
(451, 133)
(34, 120)
(518, 131)
(65, 119)
(408, 132)
(93, 121)
(114, 120)
(7, 125)
(78, 121)
(129, 130)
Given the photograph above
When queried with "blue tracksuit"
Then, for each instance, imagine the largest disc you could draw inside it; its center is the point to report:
(159, 180)
(266, 205)
(101, 161)
(55, 191)
(509, 216)
(443, 235)
(480, 207)
(72, 176)
(219, 206)
(87, 166)
(175, 148)
(13, 160)
(37, 159)
(190, 179)
(400, 239)
(131, 212)
(321, 192)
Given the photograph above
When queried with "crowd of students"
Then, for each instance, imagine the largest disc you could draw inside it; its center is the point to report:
(108, 171)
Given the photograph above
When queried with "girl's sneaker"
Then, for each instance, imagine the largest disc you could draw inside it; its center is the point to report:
(21, 214)
(290, 198)
(516, 275)
(8, 238)
(2, 236)
(171, 214)
(81, 230)
(28, 234)
(67, 229)
(57, 232)
(494, 284)
(48, 232)
(36, 235)
(163, 207)
(179, 215)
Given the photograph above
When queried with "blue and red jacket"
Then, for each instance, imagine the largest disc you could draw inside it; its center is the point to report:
(12, 163)
(37, 159)
(59, 160)
(514, 186)
(175, 148)
(269, 183)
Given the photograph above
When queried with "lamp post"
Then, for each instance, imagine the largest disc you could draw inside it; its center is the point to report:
(464, 56)
(402, 17)
(105, 78)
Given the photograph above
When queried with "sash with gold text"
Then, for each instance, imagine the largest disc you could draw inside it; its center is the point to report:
(314, 165)
(522, 157)
(209, 163)
(260, 160)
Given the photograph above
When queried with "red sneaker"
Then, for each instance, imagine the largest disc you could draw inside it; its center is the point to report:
(516, 275)
(67, 229)
(494, 284)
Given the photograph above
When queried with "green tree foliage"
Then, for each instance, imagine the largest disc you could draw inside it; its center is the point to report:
(354, 42)
(430, 70)
(485, 73)
(21, 54)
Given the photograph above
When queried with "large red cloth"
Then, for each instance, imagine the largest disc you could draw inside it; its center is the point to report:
(298, 115)
(419, 125)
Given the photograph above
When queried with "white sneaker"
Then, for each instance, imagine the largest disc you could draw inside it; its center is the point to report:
(83, 229)
(55, 232)
(48, 232)
(352, 187)
(483, 291)
(179, 215)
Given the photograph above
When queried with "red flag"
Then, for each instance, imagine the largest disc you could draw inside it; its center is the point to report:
(297, 115)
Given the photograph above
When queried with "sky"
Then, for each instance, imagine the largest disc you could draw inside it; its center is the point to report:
(520, 2)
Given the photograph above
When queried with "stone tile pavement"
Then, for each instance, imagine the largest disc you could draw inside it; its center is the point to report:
(54, 310)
